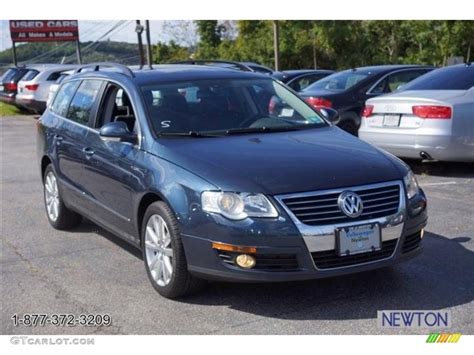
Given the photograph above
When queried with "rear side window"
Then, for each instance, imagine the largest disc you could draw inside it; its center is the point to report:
(30, 75)
(54, 76)
(63, 97)
(9, 74)
(393, 81)
(83, 101)
(305, 81)
(449, 78)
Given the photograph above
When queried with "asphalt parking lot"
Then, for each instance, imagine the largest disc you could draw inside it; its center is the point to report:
(88, 270)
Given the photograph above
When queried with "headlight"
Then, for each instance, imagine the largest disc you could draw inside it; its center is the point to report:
(237, 205)
(411, 185)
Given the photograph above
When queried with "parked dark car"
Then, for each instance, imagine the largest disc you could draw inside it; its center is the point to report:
(190, 164)
(300, 79)
(259, 68)
(347, 91)
(9, 83)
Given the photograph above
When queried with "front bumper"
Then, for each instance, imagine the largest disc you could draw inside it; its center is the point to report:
(410, 145)
(290, 258)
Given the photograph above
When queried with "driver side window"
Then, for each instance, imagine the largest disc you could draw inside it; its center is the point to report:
(116, 106)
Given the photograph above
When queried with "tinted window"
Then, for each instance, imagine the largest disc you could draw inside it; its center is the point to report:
(305, 81)
(30, 75)
(226, 105)
(449, 78)
(54, 76)
(9, 74)
(393, 81)
(340, 81)
(81, 105)
(63, 97)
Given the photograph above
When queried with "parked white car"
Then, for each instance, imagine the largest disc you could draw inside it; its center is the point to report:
(54, 87)
(431, 118)
(33, 88)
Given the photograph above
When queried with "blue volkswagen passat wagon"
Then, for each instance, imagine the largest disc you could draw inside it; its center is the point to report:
(220, 174)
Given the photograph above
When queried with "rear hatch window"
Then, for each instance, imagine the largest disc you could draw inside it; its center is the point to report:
(9, 75)
(30, 75)
(448, 78)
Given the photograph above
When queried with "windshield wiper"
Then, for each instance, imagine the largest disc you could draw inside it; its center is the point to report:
(188, 134)
(270, 129)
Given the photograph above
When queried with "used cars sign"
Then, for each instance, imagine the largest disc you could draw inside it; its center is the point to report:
(44, 30)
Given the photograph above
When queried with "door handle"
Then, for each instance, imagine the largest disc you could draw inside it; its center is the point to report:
(58, 139)
(88, 152)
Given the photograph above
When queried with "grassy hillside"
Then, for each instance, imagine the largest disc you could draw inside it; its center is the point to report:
(55, 52)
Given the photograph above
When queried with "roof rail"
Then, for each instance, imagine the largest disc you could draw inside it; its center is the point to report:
(238, 65)
(96, 67)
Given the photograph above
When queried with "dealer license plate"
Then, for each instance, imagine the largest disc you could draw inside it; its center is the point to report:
(358, 239)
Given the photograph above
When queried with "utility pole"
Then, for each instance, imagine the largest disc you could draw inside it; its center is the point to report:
(15, 62)
(139, 30)
(148, 45)
(78, 52)
(276, 44)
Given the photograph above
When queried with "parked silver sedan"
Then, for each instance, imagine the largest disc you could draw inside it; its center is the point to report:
(430, 118)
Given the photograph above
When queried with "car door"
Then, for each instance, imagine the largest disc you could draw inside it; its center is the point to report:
(74, 106)
(112, 169)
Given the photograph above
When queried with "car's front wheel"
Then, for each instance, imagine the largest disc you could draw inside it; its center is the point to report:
(59, 216)
(163, 253)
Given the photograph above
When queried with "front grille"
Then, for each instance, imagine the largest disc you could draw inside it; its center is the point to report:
(329, 259)
(265, 262)
(411, 242)
(321, 209)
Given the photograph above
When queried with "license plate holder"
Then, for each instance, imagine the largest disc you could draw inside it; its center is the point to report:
(391, 120)
(358, 239)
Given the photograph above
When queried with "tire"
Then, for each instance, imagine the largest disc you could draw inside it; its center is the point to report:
(164, 248)
(59, 216)
(349, 124)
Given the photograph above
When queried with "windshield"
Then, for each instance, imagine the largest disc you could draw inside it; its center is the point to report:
(226, 106)
(338, 82)
(449, 78)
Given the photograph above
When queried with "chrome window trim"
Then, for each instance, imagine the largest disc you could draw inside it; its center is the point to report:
(323, 237)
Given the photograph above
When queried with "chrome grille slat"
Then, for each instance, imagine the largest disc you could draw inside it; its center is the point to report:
(379, 211)
(314, 209)
(376, 193)
(308, 201)
(380, 205)
(379, 199)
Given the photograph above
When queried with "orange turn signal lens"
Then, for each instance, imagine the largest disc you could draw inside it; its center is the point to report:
(235, 248)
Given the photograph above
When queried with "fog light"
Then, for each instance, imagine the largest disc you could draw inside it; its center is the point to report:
(422, 232)
(245, 261)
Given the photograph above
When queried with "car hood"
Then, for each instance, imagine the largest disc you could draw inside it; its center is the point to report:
(283, 162)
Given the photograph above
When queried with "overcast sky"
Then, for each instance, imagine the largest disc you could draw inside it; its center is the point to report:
(92, 30)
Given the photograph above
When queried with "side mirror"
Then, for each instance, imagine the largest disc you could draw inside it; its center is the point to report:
(330, 114)
(116, 132)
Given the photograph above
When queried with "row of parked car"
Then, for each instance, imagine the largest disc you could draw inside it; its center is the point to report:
(412, 111)
(31, 86)
(384, 105)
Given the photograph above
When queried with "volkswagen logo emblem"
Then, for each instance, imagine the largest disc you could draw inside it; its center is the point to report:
(350, 204)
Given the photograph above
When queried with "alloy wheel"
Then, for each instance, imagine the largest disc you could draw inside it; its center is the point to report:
(51, 195)
(158, 250)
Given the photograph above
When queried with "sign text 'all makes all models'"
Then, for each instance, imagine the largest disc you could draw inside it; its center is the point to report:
(44, 30)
